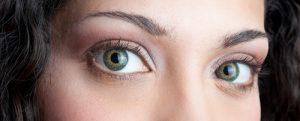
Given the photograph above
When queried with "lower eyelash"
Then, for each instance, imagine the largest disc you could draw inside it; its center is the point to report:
(235, 90)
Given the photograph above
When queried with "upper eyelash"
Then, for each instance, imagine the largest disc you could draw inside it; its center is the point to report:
(245, 59)
(123, 44)
(255, 66)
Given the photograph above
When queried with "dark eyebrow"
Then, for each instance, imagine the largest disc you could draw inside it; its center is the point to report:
(145, 23)
(241, 37)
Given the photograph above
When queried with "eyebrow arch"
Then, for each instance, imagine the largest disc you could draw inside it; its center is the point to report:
(146, 24)
(242, 37)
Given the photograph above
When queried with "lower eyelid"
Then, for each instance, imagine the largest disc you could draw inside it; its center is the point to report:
(235, 90)
(101, 75)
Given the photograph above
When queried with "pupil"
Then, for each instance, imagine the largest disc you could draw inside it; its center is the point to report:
(115, 58)
(228, 70)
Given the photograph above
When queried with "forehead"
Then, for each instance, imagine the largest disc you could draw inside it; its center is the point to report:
(174, 10)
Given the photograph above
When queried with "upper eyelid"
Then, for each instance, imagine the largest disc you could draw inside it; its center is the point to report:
(108, 43)
(233, 57)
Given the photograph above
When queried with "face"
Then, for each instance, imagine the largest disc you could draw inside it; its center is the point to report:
(154, 60)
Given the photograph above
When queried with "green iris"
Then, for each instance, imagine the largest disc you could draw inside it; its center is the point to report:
(228, 72)
(115, 59)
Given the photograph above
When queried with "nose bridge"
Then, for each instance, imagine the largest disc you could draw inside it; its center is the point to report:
(188, 95)
(185, 103)
(189, 106)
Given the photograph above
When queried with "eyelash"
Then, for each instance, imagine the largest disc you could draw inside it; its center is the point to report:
(233, 88)
(121, 44)
(118, 44)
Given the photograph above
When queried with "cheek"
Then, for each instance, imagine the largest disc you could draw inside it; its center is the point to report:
(237, 109)
(67, 93)
(68, 109)
(65, 97)
(249, 111)
(66, 104)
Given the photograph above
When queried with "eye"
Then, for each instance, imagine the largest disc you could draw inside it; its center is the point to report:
(114, 59)
(234, 72)
(121, 57)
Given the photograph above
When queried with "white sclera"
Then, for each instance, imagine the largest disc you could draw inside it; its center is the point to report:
(134, 64)
(244, 74)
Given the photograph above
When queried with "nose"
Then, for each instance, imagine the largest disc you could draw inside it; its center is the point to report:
(188, 108)
(184, 97)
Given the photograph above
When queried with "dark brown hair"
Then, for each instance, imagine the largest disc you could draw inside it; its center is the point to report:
(280, 88)
(24, 53)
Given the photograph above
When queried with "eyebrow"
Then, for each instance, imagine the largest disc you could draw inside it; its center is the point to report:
(146, 24)
(153, 28)
(242, 37)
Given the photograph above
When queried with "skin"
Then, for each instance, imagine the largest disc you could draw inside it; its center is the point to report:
(178, 85)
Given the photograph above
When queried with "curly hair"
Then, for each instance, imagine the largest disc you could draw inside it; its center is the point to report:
(280, 89)
(25, 50)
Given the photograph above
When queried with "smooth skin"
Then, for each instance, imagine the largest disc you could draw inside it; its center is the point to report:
(176, 82)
